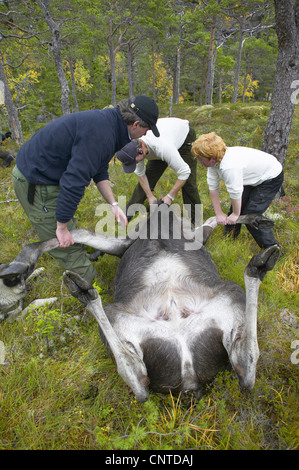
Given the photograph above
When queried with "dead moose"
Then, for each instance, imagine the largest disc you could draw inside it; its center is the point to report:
(174, 323)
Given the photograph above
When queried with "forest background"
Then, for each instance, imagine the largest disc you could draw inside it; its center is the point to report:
(60, 57)
(226, 66)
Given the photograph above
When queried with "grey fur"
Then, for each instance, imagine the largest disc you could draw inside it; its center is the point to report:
(174, 323)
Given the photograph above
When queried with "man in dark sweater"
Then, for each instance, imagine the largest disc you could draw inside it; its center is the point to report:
(54, 167)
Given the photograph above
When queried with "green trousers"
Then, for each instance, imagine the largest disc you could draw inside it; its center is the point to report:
(155, 169)
(42, 215)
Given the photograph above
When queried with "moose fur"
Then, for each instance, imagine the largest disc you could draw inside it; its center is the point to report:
(174, 323)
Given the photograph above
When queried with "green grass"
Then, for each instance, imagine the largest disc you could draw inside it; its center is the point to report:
(60, 390)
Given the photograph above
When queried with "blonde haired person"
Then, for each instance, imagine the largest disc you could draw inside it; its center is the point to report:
(252, 179)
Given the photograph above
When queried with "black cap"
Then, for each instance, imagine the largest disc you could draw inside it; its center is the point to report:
(127, 155)
(146, 108)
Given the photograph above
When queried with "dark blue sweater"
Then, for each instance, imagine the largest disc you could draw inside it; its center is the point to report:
(71, 151)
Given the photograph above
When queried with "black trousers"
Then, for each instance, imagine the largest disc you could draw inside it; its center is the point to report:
(155, 169)
(255, 200)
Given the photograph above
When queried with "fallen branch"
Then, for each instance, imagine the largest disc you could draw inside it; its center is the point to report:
(9, 200)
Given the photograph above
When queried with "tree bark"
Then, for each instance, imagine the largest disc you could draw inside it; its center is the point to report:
(276, 137)
(74, 88)
(56, 50)
(220, 86)
(177, 72)
(153, 69)
(203, 79)
(114, 43)
(238, 67)
(209, 87)
(112, 56)
(130, 68)
(176, 78)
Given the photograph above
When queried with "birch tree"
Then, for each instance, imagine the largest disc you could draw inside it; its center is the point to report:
(55, 28)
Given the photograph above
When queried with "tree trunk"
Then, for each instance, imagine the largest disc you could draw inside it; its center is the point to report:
(244, 87)
(153, 69)
(276, 137)
(220, 87)
(176, 78)
(238, 67)
(130, 68)
(74, 88)
(177, 73)
(209, 88)
(56, 50)
(113, 76)
(12, 113)
(112, 57)
(170, 106)
(203, 79)
(213, 72)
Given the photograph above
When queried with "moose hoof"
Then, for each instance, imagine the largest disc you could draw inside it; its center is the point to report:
(79, 287)
(263, 262)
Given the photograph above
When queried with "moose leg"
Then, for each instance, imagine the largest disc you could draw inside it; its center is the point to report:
(257, 221)
(129, 365)
(244, 350)
(27, 258)
(15, 275)
(207, 229)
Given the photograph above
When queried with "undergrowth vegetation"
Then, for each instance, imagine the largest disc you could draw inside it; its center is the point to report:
(59, 388)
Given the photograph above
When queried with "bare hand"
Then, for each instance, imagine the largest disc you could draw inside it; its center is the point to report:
(221, 219)
(64, 237)
(166, 200)
(119, 215)
(232, 219)
(152, 200)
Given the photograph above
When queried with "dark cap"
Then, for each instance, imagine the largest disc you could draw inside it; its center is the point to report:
(127, 155)
(147, 109)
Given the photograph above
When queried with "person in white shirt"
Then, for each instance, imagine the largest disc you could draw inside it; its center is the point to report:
(173, 149)
(252, 179)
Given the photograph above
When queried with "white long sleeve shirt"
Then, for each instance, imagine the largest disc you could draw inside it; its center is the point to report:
(242, 166)
(173, 133)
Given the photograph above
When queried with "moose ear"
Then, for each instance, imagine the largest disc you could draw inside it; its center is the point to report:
(13, 281)
(15, 269)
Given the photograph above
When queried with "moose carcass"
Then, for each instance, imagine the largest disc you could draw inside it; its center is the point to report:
(173, 324)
